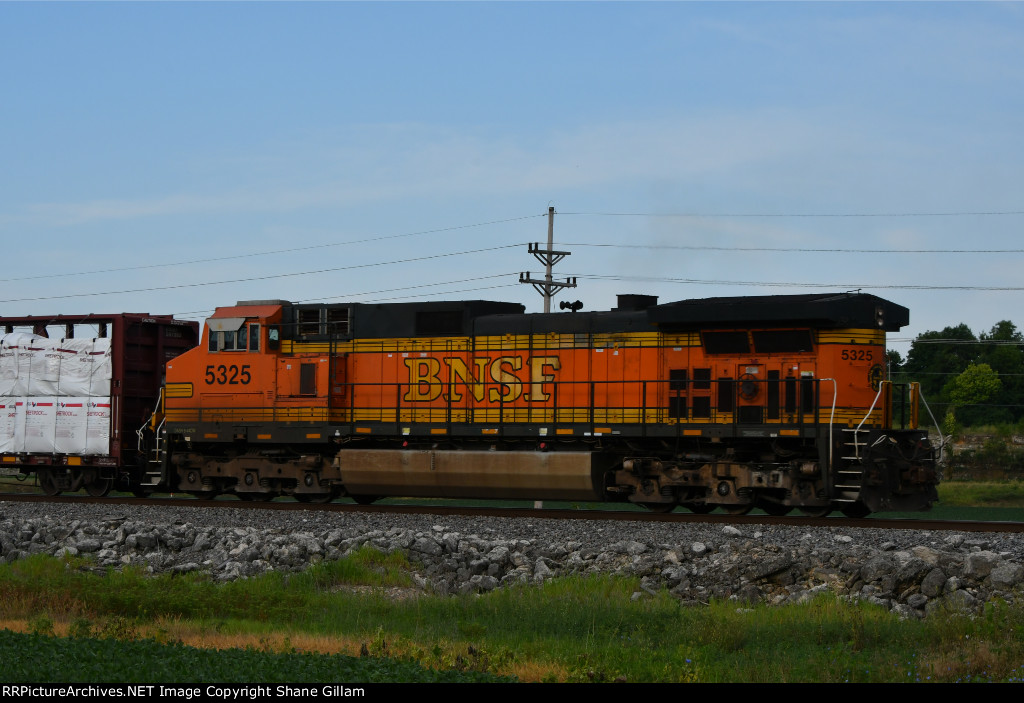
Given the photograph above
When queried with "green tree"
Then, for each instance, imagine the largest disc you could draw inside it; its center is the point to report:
(1003, 351)
(935, 357)
(976, 384)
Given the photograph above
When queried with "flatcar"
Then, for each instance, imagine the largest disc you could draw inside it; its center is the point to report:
(776, 402)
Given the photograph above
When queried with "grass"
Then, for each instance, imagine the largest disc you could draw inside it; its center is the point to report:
(573, 629)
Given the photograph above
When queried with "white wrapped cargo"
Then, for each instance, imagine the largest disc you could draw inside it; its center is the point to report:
(70, 436)
(16, 363)
(76, 369)
(12, 419)
(102, 369)
(40, 424)
(8, 368)
(45, 367)
(98, 430)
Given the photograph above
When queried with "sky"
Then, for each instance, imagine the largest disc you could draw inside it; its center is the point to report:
(174, 157)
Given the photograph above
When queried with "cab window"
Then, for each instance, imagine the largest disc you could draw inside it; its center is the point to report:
(245, 337)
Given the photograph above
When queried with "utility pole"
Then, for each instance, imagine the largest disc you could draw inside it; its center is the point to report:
(548, 287)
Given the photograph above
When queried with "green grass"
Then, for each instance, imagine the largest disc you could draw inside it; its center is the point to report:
(570, 629)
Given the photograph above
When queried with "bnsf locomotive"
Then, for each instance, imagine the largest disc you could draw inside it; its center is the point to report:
(776, 402)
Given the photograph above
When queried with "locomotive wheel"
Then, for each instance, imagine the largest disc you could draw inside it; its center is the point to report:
(774, 509)
(204, 495)
(256, 497)
(699, 508)
(816, 512)
(99, 487)
(659, 507)
(856, 510)
(738, 509)
(47, 482)
(364, 500)
(314, 497)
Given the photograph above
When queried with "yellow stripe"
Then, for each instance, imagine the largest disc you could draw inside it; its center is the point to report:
(851, 336)
(178, 390)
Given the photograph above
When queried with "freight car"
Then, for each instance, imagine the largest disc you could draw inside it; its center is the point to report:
(777, 402)
(75, 391)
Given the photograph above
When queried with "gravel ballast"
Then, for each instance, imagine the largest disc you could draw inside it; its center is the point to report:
(910, 572)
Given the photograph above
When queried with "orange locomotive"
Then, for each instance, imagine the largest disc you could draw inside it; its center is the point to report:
(777, 402)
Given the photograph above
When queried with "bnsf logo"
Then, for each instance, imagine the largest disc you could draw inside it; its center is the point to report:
(503, 379)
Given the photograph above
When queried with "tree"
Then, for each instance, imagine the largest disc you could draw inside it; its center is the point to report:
(936, 356)
(976, 384)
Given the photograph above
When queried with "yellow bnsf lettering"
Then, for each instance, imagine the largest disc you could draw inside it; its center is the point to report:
(424, 383)
(538, 378)
(515, 386)
(497, 380)
(457, 369)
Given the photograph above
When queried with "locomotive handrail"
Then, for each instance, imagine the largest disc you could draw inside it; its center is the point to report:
(942, 438)
(856, 447)
(150, 420)
(569, 403)
(831, 420)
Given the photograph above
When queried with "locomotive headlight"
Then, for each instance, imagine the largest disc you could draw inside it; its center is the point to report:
(879, 317)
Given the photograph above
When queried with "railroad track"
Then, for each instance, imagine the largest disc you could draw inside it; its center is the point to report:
(679, 516)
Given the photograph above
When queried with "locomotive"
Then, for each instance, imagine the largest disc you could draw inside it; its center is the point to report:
(775, 402)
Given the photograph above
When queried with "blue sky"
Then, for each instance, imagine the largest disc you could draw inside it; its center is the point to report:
(369, 144)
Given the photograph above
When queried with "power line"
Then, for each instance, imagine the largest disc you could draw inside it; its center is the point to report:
(291, 250)
(984, 213)
(264, 278)
(775, 284)
(794, 249)
(350, 296)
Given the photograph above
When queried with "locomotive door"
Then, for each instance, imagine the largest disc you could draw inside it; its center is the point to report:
(751, 394)
(770, 392)
(338, 401)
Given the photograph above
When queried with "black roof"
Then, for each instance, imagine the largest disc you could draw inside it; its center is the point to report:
(484, 317)
(827, 310)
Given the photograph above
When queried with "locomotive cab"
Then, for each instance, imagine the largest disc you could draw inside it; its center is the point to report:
(236, 403)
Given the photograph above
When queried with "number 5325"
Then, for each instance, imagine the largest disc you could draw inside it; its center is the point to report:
(228, 375)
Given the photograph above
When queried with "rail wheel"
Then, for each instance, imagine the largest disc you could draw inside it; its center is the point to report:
(699, 508)
(47, 482)
(816, 511)
(659, 507)
(204, 495)
(774, 509)
(738, 509)
(314, 497)
(364, 500)
(856, 510)
(99, 487)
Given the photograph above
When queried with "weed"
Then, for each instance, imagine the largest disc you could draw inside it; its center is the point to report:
(80, 628)
(41, 625)
(119, 628)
